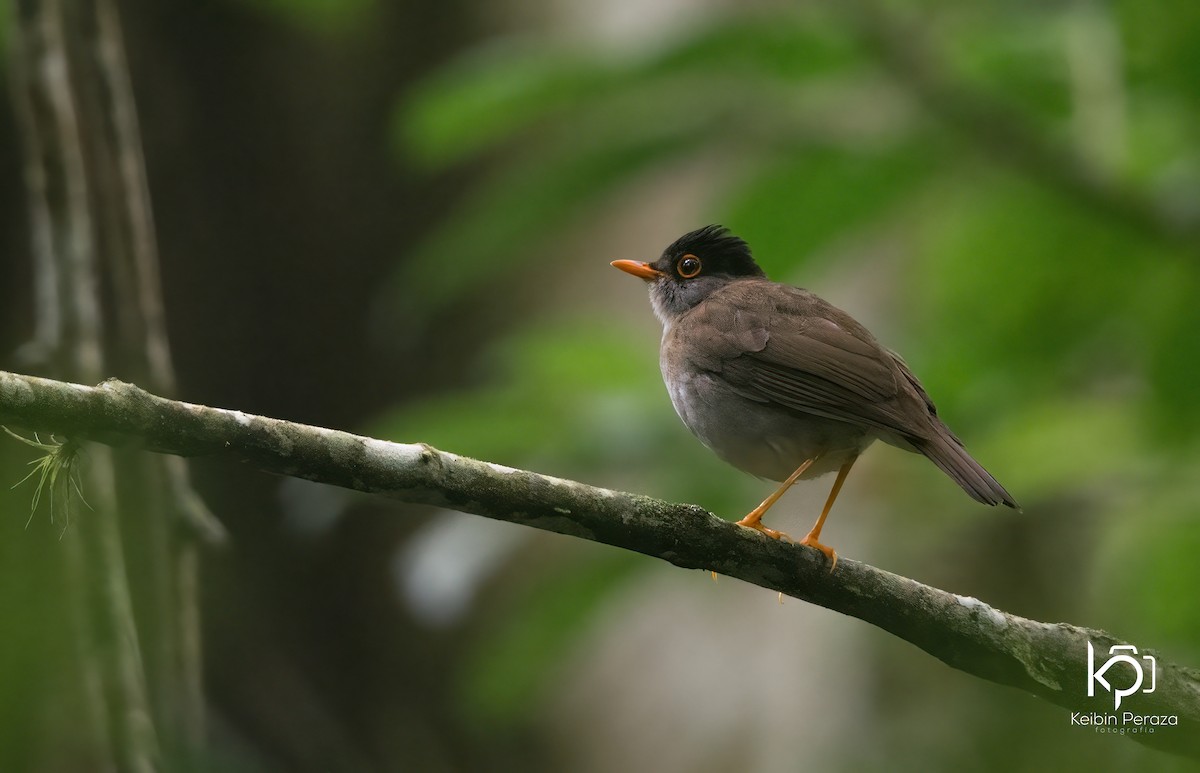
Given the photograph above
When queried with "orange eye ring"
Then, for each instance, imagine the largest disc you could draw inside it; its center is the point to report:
(688, 266)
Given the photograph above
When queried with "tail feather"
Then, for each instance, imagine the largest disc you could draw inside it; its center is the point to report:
(947, 452)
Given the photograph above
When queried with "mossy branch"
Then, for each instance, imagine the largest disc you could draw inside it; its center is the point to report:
(1048, 660)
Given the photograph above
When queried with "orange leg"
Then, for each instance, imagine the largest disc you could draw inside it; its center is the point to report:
(753, 519)
(811, 538)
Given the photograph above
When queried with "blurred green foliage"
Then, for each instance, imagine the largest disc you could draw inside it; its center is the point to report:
(502, 681)
(1062, 341)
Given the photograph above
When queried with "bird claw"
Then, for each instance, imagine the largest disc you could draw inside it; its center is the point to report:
(757, 526)
(811, 542)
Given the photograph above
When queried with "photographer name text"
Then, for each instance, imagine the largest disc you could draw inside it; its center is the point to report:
(1125, 722)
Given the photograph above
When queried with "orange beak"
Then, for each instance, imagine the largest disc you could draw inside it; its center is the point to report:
(640, 270)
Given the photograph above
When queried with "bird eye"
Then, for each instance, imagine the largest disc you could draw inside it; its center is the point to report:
(688, 266)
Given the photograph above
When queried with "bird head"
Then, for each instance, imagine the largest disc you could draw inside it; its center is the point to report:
(692, 268)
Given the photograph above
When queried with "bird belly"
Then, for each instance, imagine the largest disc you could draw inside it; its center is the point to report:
(763, 440)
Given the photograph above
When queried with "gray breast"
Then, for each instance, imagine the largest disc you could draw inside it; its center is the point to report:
(759, 438)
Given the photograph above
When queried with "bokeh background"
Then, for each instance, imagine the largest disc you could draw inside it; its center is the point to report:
(397, 218)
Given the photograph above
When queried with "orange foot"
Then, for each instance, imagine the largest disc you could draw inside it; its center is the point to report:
(754, 523)
(811, 542)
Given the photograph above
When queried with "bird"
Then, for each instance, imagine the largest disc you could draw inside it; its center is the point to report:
(783, 385)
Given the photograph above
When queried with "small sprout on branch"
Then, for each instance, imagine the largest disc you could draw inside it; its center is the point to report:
(58, 467)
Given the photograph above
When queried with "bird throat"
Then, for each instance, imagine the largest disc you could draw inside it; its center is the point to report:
(659, 303)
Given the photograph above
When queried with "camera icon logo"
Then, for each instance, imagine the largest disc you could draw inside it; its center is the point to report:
(1120, 653)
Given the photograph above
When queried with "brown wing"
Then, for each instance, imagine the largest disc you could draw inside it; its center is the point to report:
(797, 351)
(800, 352)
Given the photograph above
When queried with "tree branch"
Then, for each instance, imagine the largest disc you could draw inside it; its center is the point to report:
(1048, 660)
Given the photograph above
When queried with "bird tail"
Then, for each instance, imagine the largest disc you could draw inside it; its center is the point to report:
(947, 452)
